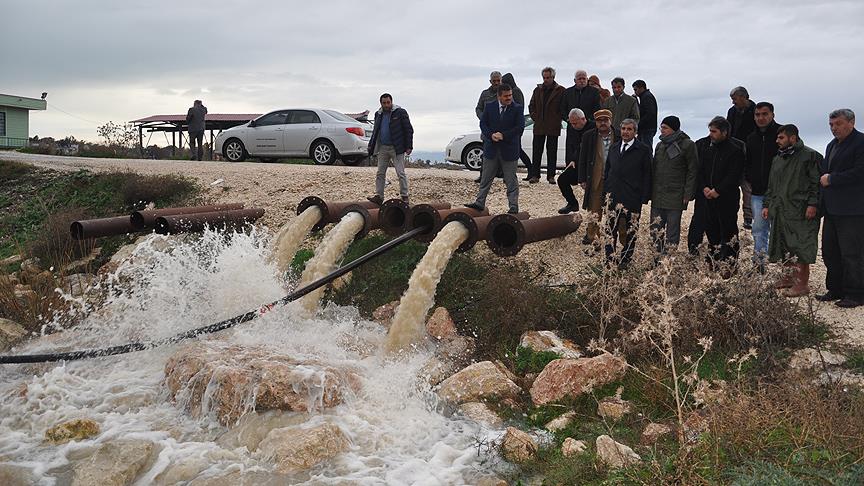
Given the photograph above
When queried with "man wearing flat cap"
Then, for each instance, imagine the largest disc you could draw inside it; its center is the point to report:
(592, 162)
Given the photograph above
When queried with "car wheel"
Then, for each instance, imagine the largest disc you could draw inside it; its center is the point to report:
(234, 151)
(323, 152)
(472, 156)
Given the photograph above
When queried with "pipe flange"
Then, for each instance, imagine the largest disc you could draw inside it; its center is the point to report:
(394, 217)
(364, 213)
(505, 235)
(425, 215)
(310, 201)
(469, 224)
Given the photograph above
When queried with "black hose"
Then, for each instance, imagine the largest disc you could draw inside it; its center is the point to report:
(218, 326)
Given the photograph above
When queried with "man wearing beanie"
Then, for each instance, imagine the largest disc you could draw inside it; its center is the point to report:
(673, 183)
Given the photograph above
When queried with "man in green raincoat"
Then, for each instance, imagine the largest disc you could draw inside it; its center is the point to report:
(791, 203)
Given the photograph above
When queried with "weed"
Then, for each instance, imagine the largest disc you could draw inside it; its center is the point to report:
(530, 361)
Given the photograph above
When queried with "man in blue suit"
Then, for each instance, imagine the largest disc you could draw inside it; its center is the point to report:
(502, 124)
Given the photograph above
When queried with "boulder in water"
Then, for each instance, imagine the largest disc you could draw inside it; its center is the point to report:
(78, 429)
(481, 413)
(478, 382)
(440, 325)
(240, 379)
(549, 341)
(302, 447)
(615, 454)
(115, 463)
(572, 377)
(11, 333)
(384, 314)
(16, 476)
(517, 446)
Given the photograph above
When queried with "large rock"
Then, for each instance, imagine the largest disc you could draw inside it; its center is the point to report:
(241, 379)
(481, 413)
(78, 429)
(11, 333)
(440, 325)
(16, 476)
(572, 377)
(115, 463)
(241, 478)
(517, 446)
(253, 427)
(614, 454)
(809, 358)
(478, 382)
(300, 448)
(550, 341)
(76, 284)
(572, 447)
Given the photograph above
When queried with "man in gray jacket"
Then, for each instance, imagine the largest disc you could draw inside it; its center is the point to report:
(195, 118)
(622, 105)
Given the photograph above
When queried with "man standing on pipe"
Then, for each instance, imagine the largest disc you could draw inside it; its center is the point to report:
(627, 181)
(392, 140)
(502, 125)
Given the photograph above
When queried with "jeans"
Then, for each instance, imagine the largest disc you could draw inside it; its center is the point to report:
(665, 229)
(387, 154)
(490, 168)
(761, 230)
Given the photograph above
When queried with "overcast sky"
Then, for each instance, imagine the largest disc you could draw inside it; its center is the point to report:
(103, 60)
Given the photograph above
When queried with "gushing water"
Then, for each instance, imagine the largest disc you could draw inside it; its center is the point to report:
(288, 239)
(396, 435)
(407, 327)
(327, 254)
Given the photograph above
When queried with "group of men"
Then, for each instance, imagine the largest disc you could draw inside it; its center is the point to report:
(786, 186)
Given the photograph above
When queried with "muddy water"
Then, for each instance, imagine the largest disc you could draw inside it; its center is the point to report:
(408, 323)
(396, 434)
(291, 236)
(327, 254)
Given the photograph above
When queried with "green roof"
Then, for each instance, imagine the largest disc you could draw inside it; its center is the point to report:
(22, 102)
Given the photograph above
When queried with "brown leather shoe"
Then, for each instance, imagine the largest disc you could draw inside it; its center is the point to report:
(376, 199)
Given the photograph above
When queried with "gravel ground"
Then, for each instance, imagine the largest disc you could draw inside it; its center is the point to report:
(279, 187)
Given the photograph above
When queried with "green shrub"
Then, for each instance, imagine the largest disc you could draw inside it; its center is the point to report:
(530, 361)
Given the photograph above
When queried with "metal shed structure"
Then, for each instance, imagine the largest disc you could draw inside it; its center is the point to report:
(177, 126)
(15, 119)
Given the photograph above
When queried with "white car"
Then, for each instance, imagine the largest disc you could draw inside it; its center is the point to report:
(322, 135)
(467, 149)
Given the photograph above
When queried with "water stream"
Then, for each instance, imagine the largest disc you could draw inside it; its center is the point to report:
(331, 250)
(397, 435)
(408, 323)
(291, 236)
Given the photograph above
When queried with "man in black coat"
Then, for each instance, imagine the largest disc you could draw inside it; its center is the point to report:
(647, 113)
(742, 122)
(577, 125)
(627, 183)
(721, 165)
(582, 96)
(761, 149)
(842, 203)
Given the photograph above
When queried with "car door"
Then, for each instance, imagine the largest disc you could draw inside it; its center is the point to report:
(302, 128)
(266, 136)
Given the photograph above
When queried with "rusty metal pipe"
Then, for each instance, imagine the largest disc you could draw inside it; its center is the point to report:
(330, 212)
(506, 234)
(146, 219)
(371, 219)
(395, 216)
(94, 228)
(194, 222)
(433, 218)
(476, 227)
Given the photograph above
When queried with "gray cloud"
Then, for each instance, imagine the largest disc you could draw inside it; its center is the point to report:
(102, 60)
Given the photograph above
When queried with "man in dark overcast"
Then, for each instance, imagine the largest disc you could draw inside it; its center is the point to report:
(647, 113)
(544, 109)
(842, 203)
(741, 118)
(195, 117)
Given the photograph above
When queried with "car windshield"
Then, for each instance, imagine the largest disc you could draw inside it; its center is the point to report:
(340, 116)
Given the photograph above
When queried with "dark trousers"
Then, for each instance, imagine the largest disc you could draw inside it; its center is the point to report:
(647, 138)
(551, 142)
(718, 220)
(665, 229)
(621, 226)
(566, 181)
(199, 138)
(843, 254)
